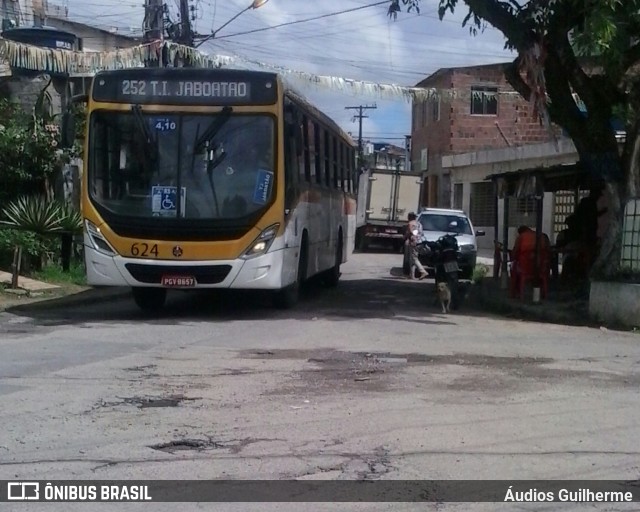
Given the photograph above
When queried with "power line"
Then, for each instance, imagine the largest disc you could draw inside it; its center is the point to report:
(304, 20)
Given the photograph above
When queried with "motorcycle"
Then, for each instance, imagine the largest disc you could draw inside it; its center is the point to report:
(444, 256)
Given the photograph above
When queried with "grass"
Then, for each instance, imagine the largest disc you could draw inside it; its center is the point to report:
(54, 274)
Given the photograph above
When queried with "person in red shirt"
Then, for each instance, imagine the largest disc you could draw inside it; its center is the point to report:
(523, 255)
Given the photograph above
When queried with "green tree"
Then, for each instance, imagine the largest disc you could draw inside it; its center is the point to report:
(30, 161)
(29, 157)
(587, 47)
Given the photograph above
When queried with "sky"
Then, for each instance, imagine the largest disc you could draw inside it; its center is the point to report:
(364, 44)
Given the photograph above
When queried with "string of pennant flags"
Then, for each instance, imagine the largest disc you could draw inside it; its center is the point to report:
(53, 60)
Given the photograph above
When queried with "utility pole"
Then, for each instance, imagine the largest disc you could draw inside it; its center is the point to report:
(360, 116)
(186, 34)
(152, 26)
(407, 153)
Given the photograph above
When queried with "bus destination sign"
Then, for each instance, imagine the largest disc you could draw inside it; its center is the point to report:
(182, 91)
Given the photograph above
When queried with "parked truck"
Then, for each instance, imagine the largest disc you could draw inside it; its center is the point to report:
(386, 195)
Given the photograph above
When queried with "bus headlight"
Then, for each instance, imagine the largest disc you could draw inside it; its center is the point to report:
(99, 242)
(261, 244)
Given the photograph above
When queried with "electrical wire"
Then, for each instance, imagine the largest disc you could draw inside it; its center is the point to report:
(288, 23)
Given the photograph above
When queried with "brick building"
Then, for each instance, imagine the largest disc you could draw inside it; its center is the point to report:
(478, 125)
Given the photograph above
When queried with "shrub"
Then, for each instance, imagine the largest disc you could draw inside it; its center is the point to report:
(45, 219)
(35, 248)
(479, 273)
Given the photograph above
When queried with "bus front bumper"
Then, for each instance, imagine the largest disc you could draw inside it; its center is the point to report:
(262, 272)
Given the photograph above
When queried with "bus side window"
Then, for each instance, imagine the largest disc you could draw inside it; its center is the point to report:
(318, 153)
(352, 169)
(291, 152)
(313, 150)
(341, 165)
(327, 158)
(306, 146)
(336, 163)
(347, 169)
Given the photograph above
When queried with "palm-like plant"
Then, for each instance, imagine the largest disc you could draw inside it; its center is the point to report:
(33, 213)
(70, 219)
(45, 218)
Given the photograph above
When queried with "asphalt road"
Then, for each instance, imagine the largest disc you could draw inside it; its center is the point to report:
(365, 381)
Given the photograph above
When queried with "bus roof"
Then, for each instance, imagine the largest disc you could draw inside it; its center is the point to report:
(294, 94)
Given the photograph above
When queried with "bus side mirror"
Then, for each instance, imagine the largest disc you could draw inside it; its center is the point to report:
(68, 130)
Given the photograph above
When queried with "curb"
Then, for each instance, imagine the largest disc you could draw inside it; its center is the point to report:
(487, 301)
(89, 296)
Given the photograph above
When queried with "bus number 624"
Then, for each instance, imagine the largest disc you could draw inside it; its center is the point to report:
(144, 250)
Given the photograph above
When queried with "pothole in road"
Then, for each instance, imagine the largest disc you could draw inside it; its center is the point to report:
(187, 445)
(141, 368)
(144, 402)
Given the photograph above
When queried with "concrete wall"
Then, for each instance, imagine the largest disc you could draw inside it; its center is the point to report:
(25, 88)
(615, 303)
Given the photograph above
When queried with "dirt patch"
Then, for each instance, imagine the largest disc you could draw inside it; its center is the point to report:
(332, 371)
(327, 355)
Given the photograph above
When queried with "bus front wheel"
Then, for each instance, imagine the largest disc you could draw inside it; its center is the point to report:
(150, 300)
(288, 297)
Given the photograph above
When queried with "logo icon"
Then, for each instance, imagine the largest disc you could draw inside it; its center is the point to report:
(21, 491)
(177, 251)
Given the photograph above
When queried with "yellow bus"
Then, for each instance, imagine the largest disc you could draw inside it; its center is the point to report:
(212, 178)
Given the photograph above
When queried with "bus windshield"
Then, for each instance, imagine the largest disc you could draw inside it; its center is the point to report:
(138, 162)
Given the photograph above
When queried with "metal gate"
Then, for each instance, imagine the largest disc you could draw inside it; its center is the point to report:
(630, 259)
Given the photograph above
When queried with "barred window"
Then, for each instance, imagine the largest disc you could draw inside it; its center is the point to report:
(482, 207)
(484, 101)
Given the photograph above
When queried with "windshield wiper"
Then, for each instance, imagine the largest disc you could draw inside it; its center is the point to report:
(214, 154)
(214, 128)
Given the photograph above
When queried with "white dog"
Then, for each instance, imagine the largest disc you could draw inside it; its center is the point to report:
(444, 296)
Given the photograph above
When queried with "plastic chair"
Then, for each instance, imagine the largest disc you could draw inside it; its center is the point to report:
(498, 257)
